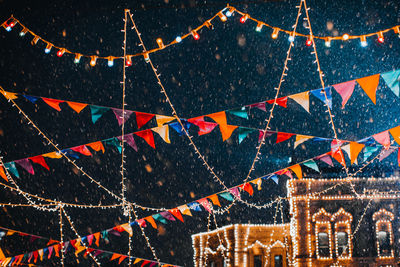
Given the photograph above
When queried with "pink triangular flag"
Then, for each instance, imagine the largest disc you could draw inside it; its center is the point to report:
(261, 135)
(260, 105)
(26, 164)
(204, 202)
(128, 138)
(386, 153)
(345, 90)
(327, 159)
(235, 192)
(383, 138)
(118, 115)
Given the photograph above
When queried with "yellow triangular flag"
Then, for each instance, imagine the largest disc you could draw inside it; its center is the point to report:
(9, 95)
(137, 260)
(53, 155)
(184, 209)
(163, 131)
(161, 119)
(297, 170)
(303, 99)
(301, 139)
(257, 182)
(40, 251)
(127, 228)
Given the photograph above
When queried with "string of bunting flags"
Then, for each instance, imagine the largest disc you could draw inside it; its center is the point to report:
(42, 253)
(352, 148)
(369, 84)
(223, 15)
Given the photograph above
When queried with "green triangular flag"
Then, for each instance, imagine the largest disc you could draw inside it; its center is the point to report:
(244, 132)
(311, 164)
(240, 112)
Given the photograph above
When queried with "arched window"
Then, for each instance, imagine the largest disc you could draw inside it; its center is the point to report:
(323, 244)
(343, 245)
(323, 234)
(384, 233)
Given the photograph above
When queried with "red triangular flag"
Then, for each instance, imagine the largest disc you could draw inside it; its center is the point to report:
(40, 160)
(260, 105)
(282, 101)
(177, 214)
(345, 90)
(147, 135)
(122, 258)
(369, 85)
(248, 188)
(143, 118)
(82, 149)
(283, 137)
(76, 106)
(54, 103)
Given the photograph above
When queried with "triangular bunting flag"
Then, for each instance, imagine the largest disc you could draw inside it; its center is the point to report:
(241, 112)
(214, 199)
(128, 138)
(9, 95)
(167, 215)
(176, 213)
(274, 178)
(184, 209)
(97, 112)
(311, 164)
(121, 118)
(346, 148)
(244, 132)
(25, 163)
(261, 135)
(159, 218)
(392, 79)
(257, 182)
(163, 131)
(194, 206)
(97, 237)
(54, 103)
(248, 188)
(301, 139)
(82, 149)
(319, 93)
(219, 117)
(297, 170)
(178, 127)
(355, 149)
(161, 120)
(10, 166)
(204, 126)
(137, 260)
(122, 258)
(368, 151)
(127, 228)
(282, 101)
(283, 137)
(370, 85)
(3, 173)
(303, 99)
(152, 222)
(235, 192)
(326, 158)
(395, 132)
(345, 90)
(204, 202)
(96, 146)
(260, 105)
(90, 239)
(115, 256)
(53, 155)
(226, 131)
(114, 142)
(76, 106)
(383, 138)
(226, 195)
(40, 160)
(147, 135)
(32, 99)
(143, 118)
(386, 153)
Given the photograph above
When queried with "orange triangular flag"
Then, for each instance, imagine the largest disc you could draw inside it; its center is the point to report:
(184, 209)
(127, 228)
(115, 256)
(161, 119)
(257, 182)
(9, 95)
(96, 146)
(303, 99)
(151, 221)
(355, 149)
(147, 135)
(97, 236)
(297, 170)
(52, 155)
(301, 139)
(137, 260)
(54, 103)
(3, 174)
(219, 117)
(122, 258)
(369, 85)
(226, 131)
(395, 132)
(76, 106)
(163, 131)
(215, 200)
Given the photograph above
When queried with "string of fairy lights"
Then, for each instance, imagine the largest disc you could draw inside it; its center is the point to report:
(129, 207)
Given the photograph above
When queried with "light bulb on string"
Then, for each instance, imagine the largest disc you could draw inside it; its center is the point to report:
(77, 58)
(222, 17)
(308, 42)
(291, 37)
(244, 18)
(23, 32)
(195, 35)
(93, 61)
(328, 42)
(381, 39)
(230, 11)
(60, 52)
(128, 61)
(209, 25)
(178, 39)
(345, 37)
(397, 31)
(146, 57)
(363, 41)
(259, 27)
(275, 33)
(110, 61)
(160, 43)
(48, 48)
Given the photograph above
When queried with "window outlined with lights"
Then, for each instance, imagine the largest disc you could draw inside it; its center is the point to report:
(343, 241)
(384, 233)
(323, 234)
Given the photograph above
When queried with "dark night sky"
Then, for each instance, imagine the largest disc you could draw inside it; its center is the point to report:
(228, 67)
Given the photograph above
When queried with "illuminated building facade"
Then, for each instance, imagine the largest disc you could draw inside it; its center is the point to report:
(330, 225)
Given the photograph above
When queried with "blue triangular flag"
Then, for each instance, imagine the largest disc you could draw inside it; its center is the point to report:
(114, 142)
(194, 206)
(241, 112)
(369, 141)
(178, 128)
(70, 153)
(311, 164)
(392, 79)
(321, 96)
(11, 168)
(274, 178)
(368, 151)
(244, 132)
(97, 112)
(32, 99)
(319, 139)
